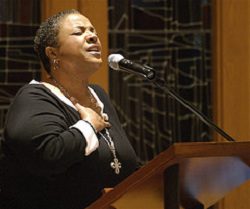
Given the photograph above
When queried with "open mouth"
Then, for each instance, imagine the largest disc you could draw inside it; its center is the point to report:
(94, 50)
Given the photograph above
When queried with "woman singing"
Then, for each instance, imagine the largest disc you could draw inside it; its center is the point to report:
(63, 141)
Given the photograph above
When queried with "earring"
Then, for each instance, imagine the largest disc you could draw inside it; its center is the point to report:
(55, 64)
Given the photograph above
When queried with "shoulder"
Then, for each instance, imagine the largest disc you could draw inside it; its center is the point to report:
(33, 93)
(29, 89)
(30, 98)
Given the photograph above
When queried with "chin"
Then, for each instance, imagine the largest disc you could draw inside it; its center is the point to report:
(95, 65)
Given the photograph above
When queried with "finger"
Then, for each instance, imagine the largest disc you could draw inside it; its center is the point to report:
(105, 117)
(107, 124)
(78, 106)
(73, 100)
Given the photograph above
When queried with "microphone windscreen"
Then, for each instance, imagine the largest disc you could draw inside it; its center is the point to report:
(114, 60)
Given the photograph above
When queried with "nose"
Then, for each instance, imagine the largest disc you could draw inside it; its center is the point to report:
(91, 38)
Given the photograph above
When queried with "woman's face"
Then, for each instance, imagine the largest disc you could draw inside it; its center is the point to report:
(79, 47)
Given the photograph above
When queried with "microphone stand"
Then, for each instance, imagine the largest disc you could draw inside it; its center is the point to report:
(162, 84)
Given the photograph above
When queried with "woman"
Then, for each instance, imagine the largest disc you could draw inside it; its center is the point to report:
(63, 141)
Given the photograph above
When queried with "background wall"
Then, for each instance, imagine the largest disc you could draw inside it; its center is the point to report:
(231, 41)
(173, 36)
(18, 63)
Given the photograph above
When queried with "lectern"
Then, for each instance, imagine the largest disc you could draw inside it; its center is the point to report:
(187, 175)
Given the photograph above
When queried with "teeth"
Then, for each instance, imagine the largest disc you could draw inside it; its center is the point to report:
(95, 52)
(94, 49)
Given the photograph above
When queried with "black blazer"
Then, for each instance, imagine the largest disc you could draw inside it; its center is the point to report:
(45, 163)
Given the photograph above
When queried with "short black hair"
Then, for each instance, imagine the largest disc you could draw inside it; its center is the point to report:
(47, 34)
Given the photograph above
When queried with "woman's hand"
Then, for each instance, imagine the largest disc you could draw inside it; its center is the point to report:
(92, 117)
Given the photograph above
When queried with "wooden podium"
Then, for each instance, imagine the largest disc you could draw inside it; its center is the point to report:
(187, 175)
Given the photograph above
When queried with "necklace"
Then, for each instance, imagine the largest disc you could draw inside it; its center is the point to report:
(64, 91)
(93, 103)
(115, 164)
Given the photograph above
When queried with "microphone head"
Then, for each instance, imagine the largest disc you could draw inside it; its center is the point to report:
(114, 60)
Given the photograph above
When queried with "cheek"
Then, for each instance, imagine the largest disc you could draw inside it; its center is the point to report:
(99, 42)
(100, 45)
(70, 47)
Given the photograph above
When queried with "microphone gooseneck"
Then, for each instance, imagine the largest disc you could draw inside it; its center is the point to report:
(118, 62)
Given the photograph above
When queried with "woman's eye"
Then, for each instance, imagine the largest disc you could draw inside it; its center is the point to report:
(78, 33)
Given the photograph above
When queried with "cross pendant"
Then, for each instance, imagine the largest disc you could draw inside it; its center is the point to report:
(116, 165)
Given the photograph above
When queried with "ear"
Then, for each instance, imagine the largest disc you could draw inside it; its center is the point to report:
(51, 52)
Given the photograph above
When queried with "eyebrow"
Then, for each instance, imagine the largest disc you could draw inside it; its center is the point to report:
(83, 27)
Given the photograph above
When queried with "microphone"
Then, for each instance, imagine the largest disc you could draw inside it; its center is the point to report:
(118, 62)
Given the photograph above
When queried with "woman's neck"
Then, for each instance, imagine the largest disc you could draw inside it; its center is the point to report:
(72, 88)
(76, 91)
